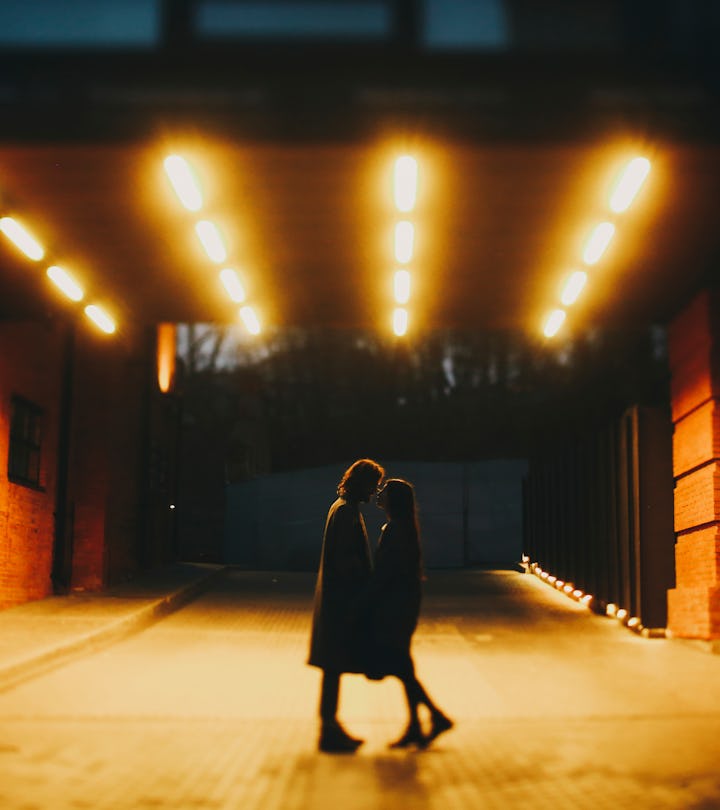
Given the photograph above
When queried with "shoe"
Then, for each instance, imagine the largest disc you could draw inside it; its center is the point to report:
(413, 736)
(335, 740)
(440, 724)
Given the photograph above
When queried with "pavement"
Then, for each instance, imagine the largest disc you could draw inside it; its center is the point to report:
(213, 707)
(41, 634)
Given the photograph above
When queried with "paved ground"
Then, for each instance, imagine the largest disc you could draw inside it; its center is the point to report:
(213, 707)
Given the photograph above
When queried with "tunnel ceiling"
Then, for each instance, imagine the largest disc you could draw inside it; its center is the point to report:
(507, 195)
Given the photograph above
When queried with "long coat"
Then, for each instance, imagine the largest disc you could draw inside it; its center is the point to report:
(338, 641)
(395, 597)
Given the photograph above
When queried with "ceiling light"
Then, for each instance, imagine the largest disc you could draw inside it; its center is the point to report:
(100, 318)
(250, 319)
(183, 182)
(232, 285)
(573, 287)
(553, 322)
(211, 240)
(401, 286)
(21, 238)
(629, 184)
(65, 282)
(400, 321)
(405, 183)
(598, 242)
(404, 238)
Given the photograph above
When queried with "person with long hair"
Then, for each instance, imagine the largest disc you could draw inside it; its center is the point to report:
(338, 641)
(396, 595)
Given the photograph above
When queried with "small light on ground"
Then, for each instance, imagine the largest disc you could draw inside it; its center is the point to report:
(405, 183)
(100, 318)
(183, 182)
(596, 245)
(211, 240)
(404, 241)
(629, 184)
(553, 322)
(65, 283)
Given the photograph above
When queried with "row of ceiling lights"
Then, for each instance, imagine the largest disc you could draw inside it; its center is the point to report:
(24, 240)
(626, 188)
(187, 188)
(405, 179)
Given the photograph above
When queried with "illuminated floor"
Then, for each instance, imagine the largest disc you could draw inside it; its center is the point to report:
(213, 707)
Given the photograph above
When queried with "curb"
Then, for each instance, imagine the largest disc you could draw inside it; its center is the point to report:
(20, 671)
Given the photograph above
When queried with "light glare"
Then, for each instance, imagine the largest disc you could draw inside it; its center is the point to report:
(21, 238)
(405, 183)
(598, 242)
(65, 282)
(404, 240)
(211, 240)
(250, 319)
(629, 184)
(100, 318)
(183, 182)
(400, 321)
(401, 286)
(573, 287)
(553, 322)
(232, 285)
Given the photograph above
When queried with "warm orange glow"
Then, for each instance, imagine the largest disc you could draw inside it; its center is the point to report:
(233, 285)
(250, 319)
(184, 182)
(629, 184)
(404, 241)
(553, 322)
(400, 321)
(65, 282)
(405, 183)
(165, 356)
(598, 242)
(401, 286)
(211, 240)
(573, 287)
(21, 238)
(100, 318)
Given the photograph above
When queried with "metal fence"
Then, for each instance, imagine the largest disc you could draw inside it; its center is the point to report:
(599, 514)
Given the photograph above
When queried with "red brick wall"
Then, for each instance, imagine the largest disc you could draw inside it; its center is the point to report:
(694, 342)
(30, 363)
(107, 466)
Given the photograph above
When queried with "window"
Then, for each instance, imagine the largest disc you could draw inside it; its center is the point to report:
(25, 441)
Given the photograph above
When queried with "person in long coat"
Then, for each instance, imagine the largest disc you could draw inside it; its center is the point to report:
(339, 637)
(396, 595)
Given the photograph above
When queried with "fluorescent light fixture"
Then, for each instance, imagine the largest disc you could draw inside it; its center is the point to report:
(573, 287)
(250, 319)
(100, 318)
(629, 184)
(65, 282)
(598, 242)
(401, 286)
(211, 240)
(400, 321)
(404, 240)
(183, 182)
(232, 285)
(553, 322)
(405, 183)
(21, 238)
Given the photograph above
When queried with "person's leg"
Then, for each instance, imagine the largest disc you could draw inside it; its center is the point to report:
(329, 696)
(415, 695)
(333, 737)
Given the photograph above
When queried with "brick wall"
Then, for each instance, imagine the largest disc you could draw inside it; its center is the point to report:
(30, 363)
(107, 527)
(694, 343)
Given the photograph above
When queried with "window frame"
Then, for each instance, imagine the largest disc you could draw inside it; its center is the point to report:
(25, 443)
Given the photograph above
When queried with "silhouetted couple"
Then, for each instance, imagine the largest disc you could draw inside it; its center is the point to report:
(364, 616)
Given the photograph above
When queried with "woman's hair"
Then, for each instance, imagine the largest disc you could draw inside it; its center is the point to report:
(401, 508)
(400, 500)
(358, 476)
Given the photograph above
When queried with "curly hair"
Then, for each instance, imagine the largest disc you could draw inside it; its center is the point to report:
(357, 477)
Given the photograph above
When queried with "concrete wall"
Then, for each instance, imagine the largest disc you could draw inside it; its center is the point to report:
(469, 514)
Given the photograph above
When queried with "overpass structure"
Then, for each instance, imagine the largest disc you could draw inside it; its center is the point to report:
(519, 122)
